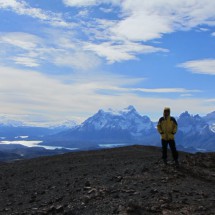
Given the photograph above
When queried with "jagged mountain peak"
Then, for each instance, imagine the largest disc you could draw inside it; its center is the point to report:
(185, 115)
(126, 119)
(124, 111)
(129, 108)
(210, 115)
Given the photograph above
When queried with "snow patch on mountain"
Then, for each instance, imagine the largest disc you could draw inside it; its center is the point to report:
(210, 119)
(65, 124)
(5, 121)
(190, 124)
(126, 119)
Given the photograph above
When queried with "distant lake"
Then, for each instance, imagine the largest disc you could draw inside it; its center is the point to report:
(111, 145)
(28, 143)
(34, 143)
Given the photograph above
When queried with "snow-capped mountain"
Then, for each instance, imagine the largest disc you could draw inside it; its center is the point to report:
(194, 131)
(124, 126)
(129, 127)
(64, 125)
(210, 119)
(13, 129)
(127, 119)
(189, 124)
(5, 121)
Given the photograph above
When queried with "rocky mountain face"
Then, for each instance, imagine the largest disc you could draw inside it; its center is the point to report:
(195, 131)
(128, 180)
(126, 124)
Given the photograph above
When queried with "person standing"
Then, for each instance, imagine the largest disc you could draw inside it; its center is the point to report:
(167, 127)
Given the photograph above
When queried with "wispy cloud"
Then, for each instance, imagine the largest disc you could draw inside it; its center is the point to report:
(204, 66)
(210, 100)
(27, 92)
(81, 3)
(140, 21)
(21, 7)
(106, 31)
(166, 90)
(26, 61)
(57, 49)
(116, 40)
(20, 39)
(120, 52)
(20, 48)
(150, 90)
(144, 20)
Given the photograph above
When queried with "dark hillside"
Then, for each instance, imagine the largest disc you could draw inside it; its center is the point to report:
(128, 180)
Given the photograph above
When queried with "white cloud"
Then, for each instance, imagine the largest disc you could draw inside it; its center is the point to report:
(78, 60)
(151, 90)
(20, 48)
(204, 29)
(213, 34)
(146, 20)
(27, 92)
(204, 66)
(21, 7)
(83, 13)
(141, 21)
(165, 90)
(87, 3)
(210, 100)
(44, 98)
(56, 48)
(186, 95)
(26, 61)
(80, 3)
(119, 52)
(120, 39)
(141, 26)
(20, 39)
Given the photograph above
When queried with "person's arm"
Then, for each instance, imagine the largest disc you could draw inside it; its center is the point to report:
(175, 125)
(159, 128)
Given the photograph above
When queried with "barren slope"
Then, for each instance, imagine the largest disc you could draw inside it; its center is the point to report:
(128, 180)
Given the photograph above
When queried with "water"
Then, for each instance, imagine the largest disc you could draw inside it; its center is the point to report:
(34, 143)
(28, 143)
(111, 145)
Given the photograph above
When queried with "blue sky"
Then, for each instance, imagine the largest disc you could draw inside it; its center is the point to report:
(65, 59)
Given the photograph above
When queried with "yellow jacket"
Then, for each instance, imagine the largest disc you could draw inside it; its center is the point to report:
(167, 127)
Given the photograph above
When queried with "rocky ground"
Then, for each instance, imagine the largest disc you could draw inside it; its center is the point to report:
(128, 180)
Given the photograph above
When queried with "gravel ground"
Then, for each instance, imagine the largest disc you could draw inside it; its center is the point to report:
(127, 180)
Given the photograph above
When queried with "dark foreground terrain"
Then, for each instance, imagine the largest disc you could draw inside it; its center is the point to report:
(129, 180)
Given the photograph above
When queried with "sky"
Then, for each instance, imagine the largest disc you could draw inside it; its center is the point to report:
(66, 59)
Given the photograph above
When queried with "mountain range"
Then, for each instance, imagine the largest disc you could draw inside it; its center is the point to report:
(129, 127)
(124, 127)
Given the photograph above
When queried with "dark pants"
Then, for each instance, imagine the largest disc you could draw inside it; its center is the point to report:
(172, 147)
